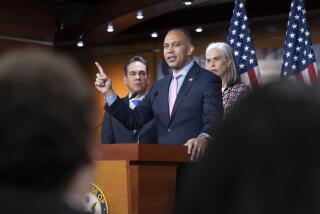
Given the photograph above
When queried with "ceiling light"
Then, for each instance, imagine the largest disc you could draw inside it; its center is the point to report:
(139, 14)
(110, 28)
(154, 35)
(187, 2)
(80, 42)
(199, 29)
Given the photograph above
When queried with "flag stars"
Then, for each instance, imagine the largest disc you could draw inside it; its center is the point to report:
(292, 35)
(288, 54)
(240, 38)
(297, 51)
(244, 57)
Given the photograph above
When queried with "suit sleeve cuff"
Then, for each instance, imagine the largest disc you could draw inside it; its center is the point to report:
(205, 135)
(110, 99)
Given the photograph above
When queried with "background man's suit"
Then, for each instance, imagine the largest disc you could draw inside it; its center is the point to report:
(197, 108)
(114, 132)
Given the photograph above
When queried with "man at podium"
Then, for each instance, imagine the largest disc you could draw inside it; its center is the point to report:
(186, 104)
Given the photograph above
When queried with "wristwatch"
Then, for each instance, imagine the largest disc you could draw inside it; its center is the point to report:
(205, 135)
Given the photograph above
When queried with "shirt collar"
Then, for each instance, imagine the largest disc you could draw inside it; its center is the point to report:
(140, 98)
(184, 71)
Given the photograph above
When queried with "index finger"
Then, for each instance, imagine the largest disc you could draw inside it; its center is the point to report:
(189, 144)
(100, 68)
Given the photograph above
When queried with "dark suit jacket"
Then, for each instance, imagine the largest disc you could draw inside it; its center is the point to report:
(197, 109)
(114, 132)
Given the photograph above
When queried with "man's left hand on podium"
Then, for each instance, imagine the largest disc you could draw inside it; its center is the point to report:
(196, 147)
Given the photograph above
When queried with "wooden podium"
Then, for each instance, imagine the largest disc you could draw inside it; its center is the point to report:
(139, 178)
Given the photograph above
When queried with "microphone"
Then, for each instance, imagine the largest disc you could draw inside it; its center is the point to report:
(134, 94)
(155, 94)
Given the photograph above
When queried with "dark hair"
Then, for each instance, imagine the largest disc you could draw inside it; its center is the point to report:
(185, 32)
(135, 59)
(270, 163)
(47, 115)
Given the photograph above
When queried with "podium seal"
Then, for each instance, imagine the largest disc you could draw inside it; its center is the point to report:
(95, 202)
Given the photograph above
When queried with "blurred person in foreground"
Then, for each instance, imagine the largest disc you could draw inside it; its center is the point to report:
(220, 61)
(46, 150)
(270, 163)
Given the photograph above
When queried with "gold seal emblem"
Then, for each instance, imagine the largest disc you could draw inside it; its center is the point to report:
(95, 202)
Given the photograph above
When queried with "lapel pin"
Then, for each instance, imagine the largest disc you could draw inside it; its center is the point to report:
(190, 79)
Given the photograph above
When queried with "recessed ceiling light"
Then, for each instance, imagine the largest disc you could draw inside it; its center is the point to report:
(154, 35)
(199, 29)
(139, 14)
(110, 28)
(80, 42)
(187, 2)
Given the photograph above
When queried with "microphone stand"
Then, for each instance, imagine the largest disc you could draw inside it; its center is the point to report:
(155, 94)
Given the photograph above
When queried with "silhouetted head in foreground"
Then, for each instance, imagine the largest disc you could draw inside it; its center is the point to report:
(265, 158)
(47, 115)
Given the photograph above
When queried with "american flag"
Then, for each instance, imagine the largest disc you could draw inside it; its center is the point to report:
(299, 61)
(240, 40)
